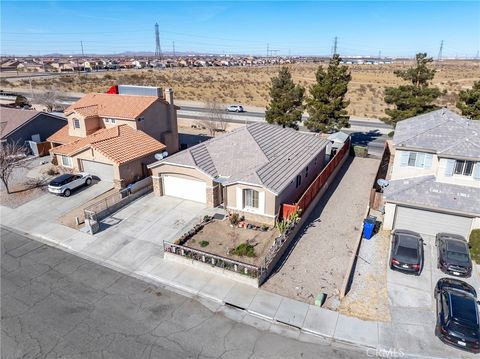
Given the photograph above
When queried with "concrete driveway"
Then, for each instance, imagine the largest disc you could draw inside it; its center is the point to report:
(47, 208)
(413, 305)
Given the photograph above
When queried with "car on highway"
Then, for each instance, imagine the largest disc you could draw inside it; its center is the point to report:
(457, 314)
(235, 108)
(453, 255)
(406, 253)
(63, 185)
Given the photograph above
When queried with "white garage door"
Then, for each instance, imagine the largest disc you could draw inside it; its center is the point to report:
(103, 171)
(431, 223)
(180, 187)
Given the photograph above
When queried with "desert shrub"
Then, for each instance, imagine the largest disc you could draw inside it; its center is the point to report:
(52, 171)
(360, 151)
(391, 133)
(475, 245)
(204, 243)
(244, 249)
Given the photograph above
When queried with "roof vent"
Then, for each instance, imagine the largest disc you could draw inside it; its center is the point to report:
(435, 190)
(461, 194)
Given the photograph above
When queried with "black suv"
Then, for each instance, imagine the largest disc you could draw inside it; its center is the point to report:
(407, 252)
(457, 314)
(453, 255)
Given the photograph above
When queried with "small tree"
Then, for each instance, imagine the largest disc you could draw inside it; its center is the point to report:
(469, 101)
(286, 100)
(216, 120)
(327, 105)
(415, 98)
(10, 156)
(48, 98)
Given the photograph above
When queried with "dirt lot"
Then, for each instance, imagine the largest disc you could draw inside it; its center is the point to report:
(250, 85)
(368, 297)
(318, 262)
(222, 238)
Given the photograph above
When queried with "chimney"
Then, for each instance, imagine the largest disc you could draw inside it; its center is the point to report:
(169, 95)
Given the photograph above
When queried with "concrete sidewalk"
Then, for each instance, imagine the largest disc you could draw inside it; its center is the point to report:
(144, 260)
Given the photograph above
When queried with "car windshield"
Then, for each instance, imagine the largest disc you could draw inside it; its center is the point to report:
(457, 256)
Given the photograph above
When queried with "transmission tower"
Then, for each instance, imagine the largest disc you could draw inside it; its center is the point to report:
(334, 47)
(158, 50)
(81, 44)
(440, 52)
(173, 48)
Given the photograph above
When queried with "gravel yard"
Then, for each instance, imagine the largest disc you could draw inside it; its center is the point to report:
(368, 297)
(318, 262)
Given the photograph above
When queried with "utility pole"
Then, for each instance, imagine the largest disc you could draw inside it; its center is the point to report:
(81, 44)
(335, 46)
(173, 48)
(440, 52)
(379, 54)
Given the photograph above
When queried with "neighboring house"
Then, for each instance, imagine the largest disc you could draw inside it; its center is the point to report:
(435, 180)
(115, 136)
(17, 125)
(252, 170)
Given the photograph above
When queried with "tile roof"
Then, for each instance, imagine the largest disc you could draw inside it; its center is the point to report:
(111, 105)
(443, 132)
(262, 154)
(62, 136)
(427, 193)
(120, 144)
(13, 118)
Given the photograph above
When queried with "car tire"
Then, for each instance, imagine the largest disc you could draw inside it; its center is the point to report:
(67, 193)
(237, 111)
(88, 182)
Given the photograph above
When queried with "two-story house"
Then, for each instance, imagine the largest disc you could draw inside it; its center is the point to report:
(435, 179)
(115, 136)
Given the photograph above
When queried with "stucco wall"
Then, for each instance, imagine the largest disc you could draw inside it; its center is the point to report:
(87, 126)
(134, 170)
(389, 216)
(399, 172)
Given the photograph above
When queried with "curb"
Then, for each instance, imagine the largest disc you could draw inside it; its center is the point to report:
(195, 294)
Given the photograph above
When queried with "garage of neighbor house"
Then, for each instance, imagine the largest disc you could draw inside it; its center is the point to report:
(103, 171)
(181, 187)
(431, 223)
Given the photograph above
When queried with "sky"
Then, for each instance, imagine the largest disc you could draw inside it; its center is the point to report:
(391, 28)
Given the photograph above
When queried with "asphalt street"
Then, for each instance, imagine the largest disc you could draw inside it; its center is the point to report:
(56, 305)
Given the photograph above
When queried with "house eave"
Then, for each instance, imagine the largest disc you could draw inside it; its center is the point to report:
(433, 209)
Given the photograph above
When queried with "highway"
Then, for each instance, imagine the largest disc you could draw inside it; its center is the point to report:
(367, 132)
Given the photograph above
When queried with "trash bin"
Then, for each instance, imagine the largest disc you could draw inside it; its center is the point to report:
(369, 226)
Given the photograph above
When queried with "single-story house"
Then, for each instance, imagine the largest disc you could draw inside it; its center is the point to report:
(18, 125)
(251, 171)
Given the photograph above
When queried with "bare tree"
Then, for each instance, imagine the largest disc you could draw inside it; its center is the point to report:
(48, 98)
(11, 155)
(216, 120)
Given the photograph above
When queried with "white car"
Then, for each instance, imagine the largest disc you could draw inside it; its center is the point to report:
(64, 185)
(235, 108)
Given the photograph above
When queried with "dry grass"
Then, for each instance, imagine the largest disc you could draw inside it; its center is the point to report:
(250, 85)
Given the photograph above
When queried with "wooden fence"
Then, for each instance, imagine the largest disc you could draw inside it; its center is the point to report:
(310, 193)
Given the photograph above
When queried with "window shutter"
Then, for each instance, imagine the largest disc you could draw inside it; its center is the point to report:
(449, 168)
(428, 160)
(404, 158)
(476, 171)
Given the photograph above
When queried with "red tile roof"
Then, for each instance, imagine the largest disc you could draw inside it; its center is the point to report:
(120, 144)
(62, 136)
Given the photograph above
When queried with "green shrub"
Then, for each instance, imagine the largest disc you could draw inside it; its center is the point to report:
(475, 245)
(204, 243)
(360, 151)
(391, 133)
(244, 249)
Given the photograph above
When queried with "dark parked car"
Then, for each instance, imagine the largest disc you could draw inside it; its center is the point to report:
(453, 255)
(457, 314)
(407, 252)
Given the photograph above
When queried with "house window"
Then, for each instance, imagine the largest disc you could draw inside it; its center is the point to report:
(76, 123)
(112, 120)
(464, 168)
(306, 171)
(298, 181)
(250, 198)
(67, 161)
(107, 120)
(140, 119)
(416, 159)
